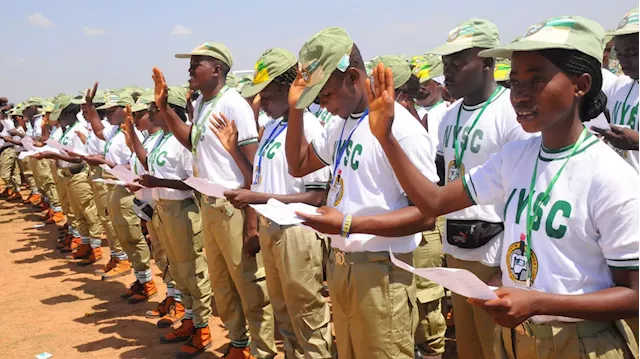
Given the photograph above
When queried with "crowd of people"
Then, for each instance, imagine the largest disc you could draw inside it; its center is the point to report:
(517, 162)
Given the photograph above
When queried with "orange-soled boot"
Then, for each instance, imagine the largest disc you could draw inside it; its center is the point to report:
(46, 215)
(149, 290)
(14, 197)
(161, 309)
(35, 199)
(43, 206)
(175, 313)
(5, 193)
(28, 199)
(134, 288)
(58, 218)
(196, 345)
(121, 268)
(238, 353)
(73, 245)
(94, 256)
(180, 334)
(64, 239)
(107, 267)
(83, 252)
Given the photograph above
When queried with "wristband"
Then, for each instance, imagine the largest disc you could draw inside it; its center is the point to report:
(346, 226)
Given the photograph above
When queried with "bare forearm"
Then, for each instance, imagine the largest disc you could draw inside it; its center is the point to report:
(608, 304)
(92, 116)
(174, 184)
(181, 130)
(141, 153)
(251, 220)
(427, 196)
(403, 222)
(313, 198)
(245, 166)
(296, 145)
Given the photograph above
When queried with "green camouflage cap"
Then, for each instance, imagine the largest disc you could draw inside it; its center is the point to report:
(566, 32)
(144, 101)
(325, 52)
(271, 64)
(502, 70)
(48, 107)
(34, 101)
(399, 66)
(471, 33)
(428, 67)
(117, 99)
(232, 80)
(242, 83)
(628, 25)
(60, 103)
(212, 49)
(177, 96)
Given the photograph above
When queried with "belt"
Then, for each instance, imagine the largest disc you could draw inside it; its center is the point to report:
(162, 204)
(344, 258)
(74, 170)
(548, 330)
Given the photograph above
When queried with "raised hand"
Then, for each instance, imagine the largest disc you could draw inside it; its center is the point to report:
(161, 90)
(127, 126)
(381, 101)
(296, 89)
(91, 94)
(225, 130)
(81, 136)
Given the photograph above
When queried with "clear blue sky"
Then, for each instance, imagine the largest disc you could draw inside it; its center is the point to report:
(64, 46)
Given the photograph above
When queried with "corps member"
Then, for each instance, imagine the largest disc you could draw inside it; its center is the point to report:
(374, 303)
(570, 255)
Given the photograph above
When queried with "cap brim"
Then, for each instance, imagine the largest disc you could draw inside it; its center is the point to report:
(79, 101)
(310, 94)
(183, 56)
(622, 31)
(140, 107)
(507, 51)
(106, 106)
(254, 89)
(55, 114)
(450, 48)
(195, 53)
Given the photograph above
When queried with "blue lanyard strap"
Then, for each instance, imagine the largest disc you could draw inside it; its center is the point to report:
(342, 147)
(282, 125)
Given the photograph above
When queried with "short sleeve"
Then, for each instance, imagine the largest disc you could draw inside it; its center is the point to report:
(439, 148)
(511, 128)
(420, 153)
(615, 209)
(187, 161)
(239, 111)
(323, 143)
(108, 131)
(484, 184)
(37, 127)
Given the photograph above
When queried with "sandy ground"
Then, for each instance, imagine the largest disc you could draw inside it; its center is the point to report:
(51, 305)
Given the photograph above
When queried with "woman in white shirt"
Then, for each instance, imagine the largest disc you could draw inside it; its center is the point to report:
(177, 221)
(570, 258)
(292, 255)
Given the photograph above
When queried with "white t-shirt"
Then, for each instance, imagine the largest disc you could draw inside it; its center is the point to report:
(274, 170)
(435, 114)
(56, 133)
(115, 148)
(623, 107)
(263, 119)
(497, 127)
(211, 160)
(95, 146)
(590, 221)
(70, 138)
(367, 184)
(144, 194)
(170, 160)
(36, 129)
(7, 125)
(324, 116)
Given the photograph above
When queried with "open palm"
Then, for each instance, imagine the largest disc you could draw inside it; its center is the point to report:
(161, 91)
(296, 90)
(380, 96)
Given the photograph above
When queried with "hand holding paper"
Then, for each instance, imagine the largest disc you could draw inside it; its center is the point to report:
(284, 214)
(206, 187)
(459, 281)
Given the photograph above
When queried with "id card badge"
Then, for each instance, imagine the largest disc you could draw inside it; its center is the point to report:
(336, 190)
(257, 177)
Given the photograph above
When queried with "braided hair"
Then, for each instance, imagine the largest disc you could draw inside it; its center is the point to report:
(286, 79)
(576, 63)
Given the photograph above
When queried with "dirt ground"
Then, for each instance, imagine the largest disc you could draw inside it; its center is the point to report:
(52, 305)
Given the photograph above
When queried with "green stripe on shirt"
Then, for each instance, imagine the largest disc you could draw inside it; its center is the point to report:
(466, 188)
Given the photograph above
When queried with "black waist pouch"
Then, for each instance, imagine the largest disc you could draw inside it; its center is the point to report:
(471, 234)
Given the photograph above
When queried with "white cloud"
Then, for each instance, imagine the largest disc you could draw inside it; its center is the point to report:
(93, 31)
(180, 30)
(39, 20)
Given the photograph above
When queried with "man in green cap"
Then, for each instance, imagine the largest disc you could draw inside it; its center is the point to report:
(374, 302)
(9, 169)
(622, 96)
(293, 256)
(473, 128)
(231, 236)
(23, 127)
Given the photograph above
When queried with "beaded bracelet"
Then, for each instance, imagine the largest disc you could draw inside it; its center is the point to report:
(346, 226)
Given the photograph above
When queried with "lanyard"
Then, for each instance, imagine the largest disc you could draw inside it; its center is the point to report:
(149, 138)
(459, 155)
(341, 148)
(530, 215)
(282, 125)
(154, 151)
(108, 144)
(64, 134)
(624, 105)
(196, 132)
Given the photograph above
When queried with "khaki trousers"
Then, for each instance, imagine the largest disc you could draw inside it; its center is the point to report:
(42, 172)
(127, 227)
(101, 198)
(179, 228)
(27, 173)
(9, 169)
(374, 305)
(293, 265)
(81, 199)
(584, 340)
(474, 327)
(58, 179)
(432, 325)
(158, 253)
(237, 280)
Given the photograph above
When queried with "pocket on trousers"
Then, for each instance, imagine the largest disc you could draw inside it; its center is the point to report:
(315, 320)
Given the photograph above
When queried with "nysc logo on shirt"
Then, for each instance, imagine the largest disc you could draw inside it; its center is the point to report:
(553, 216)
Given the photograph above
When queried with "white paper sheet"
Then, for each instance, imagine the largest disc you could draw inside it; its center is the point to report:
(284, 214)
(58, 146)
(27, 142)
(110, 181)
(123, 174)
(206, 187)
(459, 281)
